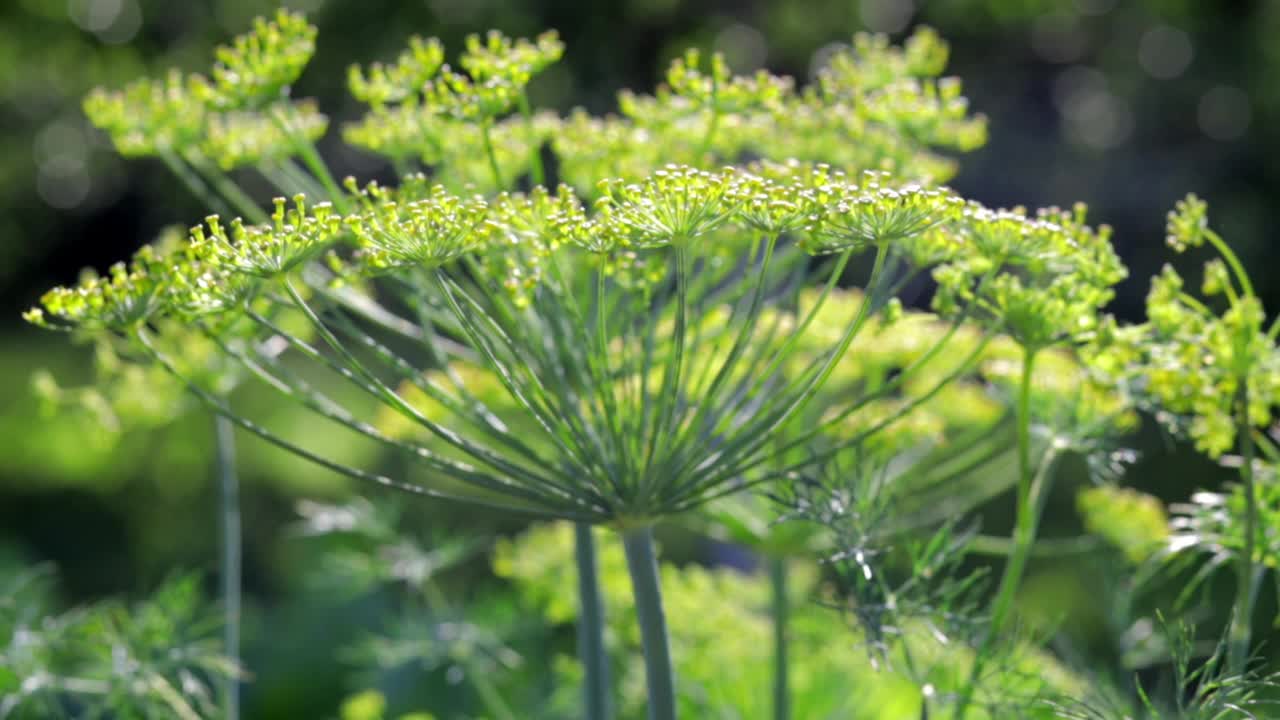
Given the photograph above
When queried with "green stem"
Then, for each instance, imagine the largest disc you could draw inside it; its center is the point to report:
(1246, 590)
(488, 151)
(312, 160)
(536, 171)
(1024, 532)
(229, 505)
(228, 188)
(643, 565)
(195, 184)
(780, 611)
(714, 123)
(591, 650)
(1237, 268)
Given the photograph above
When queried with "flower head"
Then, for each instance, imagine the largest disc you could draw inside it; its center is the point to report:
(424, 232)
(258, 67)
(295, 235)
(380, 84)
(126, 297)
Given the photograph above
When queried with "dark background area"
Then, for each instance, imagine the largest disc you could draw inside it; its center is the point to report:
(1125, 105)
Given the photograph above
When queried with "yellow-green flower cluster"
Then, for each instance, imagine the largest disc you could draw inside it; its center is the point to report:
(121, 300)
(296, 234)
(234, 117)
(674, 205)
(876, 212)
(1193, 362)
(877, 108)
(718, 90)
(873, 63)
(1041, 271)
(1042, 279)
(244, 137)
(257, 68)
(1133, 522)
(148, 117)
(381, 84)
(514, 61)
(412, 100)
(423, 233)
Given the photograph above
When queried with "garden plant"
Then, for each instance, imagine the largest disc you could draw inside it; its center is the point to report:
(740, 306)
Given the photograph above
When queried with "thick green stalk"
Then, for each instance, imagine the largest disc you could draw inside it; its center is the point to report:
(229, 507)
(1241, 631)
(591, 650)
(1024, 531)
(781, 612)
(643, 565)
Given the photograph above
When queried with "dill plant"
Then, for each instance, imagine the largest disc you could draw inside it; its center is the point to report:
(661, 328)
(1207, 367)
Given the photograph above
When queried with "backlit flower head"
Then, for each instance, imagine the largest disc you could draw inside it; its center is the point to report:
(123, 299)
(247, 137)
(518, 60)
(258, 67)
(875, 213)
(674, 205)
(295, 235)
(148, 117)
(426, 232)
(380, 85)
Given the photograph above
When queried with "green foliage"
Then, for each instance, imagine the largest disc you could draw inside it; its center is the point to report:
(666, 329)
(1203, 689)
(156, 657)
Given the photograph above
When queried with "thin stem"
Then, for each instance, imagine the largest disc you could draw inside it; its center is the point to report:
(1246, 591)
(1023, 533)
(536, 171)
(195, 184)
(228, 188)
(781, 612)
(591, 650)
(714, 123)
(216, 404)
(1233, 261)
(229, 506)
(643, 565)
(312, 160)
(488, 151)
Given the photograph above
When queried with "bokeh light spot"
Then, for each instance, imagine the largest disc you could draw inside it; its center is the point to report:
(1165, 52)
(743, 46)
(63, 183)
(888, 16)
(1058, 38)
(1223, 112)
(1092, 115)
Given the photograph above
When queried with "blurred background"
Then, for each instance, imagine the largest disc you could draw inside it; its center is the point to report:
(1125, 105)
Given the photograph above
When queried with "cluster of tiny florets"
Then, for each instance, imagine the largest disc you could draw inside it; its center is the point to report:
(1192, 364)
(232, 116)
